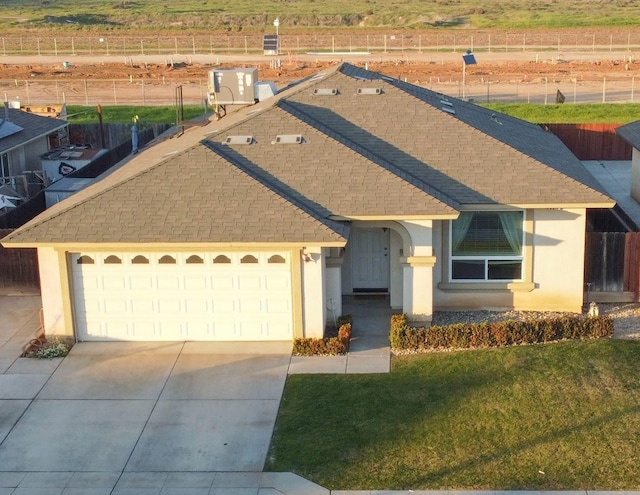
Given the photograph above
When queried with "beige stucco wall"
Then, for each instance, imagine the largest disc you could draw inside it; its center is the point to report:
(396, 253)
(635, 174)
(51, 288)
(557, 269)
(313, 290)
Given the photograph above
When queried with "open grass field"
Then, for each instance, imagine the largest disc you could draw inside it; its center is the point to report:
(124, 114)
(302, 14)
(539, 114)
(548, 417)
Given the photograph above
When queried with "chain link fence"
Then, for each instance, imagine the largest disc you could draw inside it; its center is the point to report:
(447, 41)
(512, 88)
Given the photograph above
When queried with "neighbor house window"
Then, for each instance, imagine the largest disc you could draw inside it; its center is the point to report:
(487, 245)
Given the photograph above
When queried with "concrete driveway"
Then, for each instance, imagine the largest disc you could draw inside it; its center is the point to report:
(112, 412)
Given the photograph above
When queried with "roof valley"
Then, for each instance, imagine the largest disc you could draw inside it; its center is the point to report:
(368, 153)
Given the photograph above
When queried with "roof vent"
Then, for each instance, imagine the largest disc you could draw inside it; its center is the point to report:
(325, 91)
(288, 139)
(239, 140)
(447, 106)
(369, 91)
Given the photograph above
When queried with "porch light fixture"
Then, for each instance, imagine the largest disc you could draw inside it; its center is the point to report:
(306, 257)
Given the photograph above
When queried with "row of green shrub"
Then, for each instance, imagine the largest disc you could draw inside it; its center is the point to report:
(330, 345)
(496, 334)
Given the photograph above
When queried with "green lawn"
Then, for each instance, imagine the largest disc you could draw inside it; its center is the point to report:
(603, 113)
(541, 114)
(546, 417)
(79, 114)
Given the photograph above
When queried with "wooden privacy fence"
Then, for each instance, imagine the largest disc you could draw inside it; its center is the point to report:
(612, 263)
(18, 267)
(592, 141)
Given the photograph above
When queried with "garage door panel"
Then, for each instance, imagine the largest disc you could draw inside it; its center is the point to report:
(140, 282)
(183, 301)
(197, 330)
(276, 328)
(114, 281)
(168, 282)
(195, 282)
(278, 305)
(87, 281)
(114, 306)
(278, 281)
(225, 329)
(223, 305)
(251, 305)
(194, 305)
(223, 281)
(167, 306)
(142, 329)
(250, 281)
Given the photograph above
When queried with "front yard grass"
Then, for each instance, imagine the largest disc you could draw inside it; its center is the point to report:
(560, 416)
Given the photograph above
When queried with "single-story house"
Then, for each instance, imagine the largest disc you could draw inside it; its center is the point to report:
(24, 137)
(254, 227)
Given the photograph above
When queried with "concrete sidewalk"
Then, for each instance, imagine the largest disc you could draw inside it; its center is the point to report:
(369, 352)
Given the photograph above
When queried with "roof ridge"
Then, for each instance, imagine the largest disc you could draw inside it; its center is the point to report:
(292, 109)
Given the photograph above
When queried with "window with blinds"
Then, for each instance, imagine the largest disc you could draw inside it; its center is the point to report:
(487, 245)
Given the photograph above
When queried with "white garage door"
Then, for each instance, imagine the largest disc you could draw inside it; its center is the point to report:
(182, 296)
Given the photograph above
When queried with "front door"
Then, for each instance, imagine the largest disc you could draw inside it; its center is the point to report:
(370, 259)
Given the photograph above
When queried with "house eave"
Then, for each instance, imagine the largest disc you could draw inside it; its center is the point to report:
(536, 206)
(447, 216)
(34, 138)
(174, 246)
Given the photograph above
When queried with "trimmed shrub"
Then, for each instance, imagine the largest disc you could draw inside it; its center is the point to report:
(496, 334)
(328, 346)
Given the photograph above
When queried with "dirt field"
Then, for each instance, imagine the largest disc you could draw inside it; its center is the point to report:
(415, 68)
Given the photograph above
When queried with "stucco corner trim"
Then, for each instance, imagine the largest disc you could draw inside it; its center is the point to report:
(486, 286)
(426, 261)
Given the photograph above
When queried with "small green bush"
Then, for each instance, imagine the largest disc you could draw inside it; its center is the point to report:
(496, 334)
(327, 346)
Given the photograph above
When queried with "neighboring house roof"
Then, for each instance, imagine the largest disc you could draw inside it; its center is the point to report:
(404, 153)
(630, 133)
(32, 127)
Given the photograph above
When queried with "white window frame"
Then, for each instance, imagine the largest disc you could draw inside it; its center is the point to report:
(487, 258)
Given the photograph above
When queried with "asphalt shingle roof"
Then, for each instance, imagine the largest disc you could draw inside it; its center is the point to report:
(473, 156)
(397, 154)
(33, 126)
(344, 181)
(192, 197)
